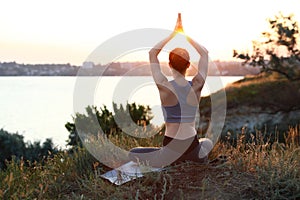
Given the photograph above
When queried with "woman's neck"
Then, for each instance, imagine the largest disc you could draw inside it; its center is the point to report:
(179, 78)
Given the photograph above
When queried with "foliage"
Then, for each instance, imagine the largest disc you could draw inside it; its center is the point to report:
(278, 51)
(95, 121)
(14, 147)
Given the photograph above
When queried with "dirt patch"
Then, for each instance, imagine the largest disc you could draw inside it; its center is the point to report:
(194, 181)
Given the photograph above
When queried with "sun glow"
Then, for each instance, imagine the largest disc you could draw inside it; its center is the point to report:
(179, 26)
(68, 31)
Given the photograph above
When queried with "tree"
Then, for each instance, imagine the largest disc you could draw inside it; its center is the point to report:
(14, 147)
(139, 114)
(278, 51)
(11, 145)
(110, 123)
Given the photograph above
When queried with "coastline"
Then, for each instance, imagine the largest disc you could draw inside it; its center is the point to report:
(216, 68)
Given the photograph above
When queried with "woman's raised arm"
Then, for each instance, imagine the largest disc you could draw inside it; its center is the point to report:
(200, 77)
(157, 74)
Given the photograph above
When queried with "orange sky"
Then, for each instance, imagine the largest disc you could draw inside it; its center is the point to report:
(56, 31)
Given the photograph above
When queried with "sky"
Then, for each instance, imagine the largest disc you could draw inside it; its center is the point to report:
(63, 31)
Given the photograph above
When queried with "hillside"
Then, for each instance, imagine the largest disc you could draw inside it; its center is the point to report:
(258, 103)
(247, 170)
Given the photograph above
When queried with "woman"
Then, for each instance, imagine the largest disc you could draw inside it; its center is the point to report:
(179, 99)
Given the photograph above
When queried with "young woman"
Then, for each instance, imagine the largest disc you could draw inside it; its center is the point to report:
(179, 99)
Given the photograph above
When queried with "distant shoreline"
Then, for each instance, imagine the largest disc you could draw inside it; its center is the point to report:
(216, 68)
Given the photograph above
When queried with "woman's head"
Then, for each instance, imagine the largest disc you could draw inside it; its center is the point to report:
(179, 59)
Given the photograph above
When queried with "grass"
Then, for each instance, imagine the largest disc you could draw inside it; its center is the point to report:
(255, 170)
(263, 91)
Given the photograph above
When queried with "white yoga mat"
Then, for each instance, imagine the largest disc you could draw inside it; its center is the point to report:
(127, 172)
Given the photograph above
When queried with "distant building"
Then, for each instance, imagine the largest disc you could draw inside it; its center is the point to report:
(125, 65)
(88, 65)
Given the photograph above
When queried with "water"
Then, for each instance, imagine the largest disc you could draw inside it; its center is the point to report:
(39, 107)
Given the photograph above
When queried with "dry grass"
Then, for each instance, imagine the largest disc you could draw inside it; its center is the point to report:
(257, 170)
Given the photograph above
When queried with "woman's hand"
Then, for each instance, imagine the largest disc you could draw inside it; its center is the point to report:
(179, 27)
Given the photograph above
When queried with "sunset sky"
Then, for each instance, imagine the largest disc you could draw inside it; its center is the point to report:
(60, 31)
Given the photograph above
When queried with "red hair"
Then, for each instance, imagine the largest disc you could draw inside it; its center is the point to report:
(179, 59)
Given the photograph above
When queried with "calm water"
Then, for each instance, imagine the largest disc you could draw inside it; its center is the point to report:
(39, 107)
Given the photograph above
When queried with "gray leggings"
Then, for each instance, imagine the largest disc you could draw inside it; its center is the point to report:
(172, 151)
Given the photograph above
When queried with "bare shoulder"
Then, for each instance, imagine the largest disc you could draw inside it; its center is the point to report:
(198, 82)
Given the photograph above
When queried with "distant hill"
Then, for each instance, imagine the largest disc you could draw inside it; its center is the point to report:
(224, 68)
(266, 103)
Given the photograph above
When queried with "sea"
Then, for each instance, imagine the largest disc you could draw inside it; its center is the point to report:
(38, 107)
